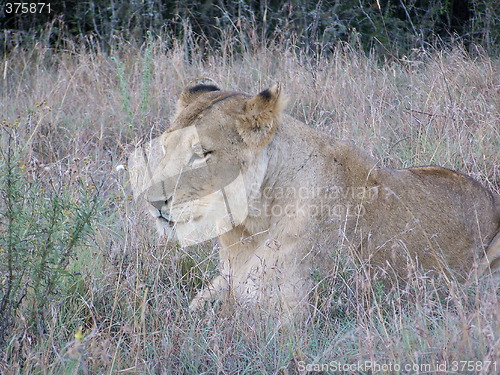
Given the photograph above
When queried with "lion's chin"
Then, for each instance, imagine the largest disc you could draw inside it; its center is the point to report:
(165, 227)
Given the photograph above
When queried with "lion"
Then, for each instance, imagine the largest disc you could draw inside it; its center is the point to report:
(282, 198)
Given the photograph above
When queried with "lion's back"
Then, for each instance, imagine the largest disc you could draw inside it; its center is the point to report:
(431, 212)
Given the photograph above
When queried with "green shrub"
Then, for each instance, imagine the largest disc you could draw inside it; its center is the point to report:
(42, 225)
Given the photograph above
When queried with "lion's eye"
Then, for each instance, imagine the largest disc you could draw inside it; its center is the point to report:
(200, 154)
(200, 151)
(197, 149)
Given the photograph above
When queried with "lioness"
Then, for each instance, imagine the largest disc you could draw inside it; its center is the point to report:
(292, 196)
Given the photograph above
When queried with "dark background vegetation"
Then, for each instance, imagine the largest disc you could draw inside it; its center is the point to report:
(394, 26)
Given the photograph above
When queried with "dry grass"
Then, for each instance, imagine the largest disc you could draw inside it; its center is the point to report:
(82, 110)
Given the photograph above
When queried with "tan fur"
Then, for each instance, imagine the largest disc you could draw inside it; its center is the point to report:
(310, 196)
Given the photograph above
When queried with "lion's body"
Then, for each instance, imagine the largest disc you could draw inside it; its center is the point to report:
(310, 196)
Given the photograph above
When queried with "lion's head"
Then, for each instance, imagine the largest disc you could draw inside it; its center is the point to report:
(199, 188)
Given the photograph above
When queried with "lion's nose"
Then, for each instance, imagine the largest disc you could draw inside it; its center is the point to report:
(159, 204)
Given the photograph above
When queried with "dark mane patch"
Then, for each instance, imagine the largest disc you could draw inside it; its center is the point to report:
(266, 94)
(203, 88)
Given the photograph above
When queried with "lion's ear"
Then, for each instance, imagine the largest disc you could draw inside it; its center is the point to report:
(261, 116)
(190, 93)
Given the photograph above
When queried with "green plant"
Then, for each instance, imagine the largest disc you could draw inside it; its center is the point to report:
(145, 92)
(120, 74)
(42, 224)
(147, 74)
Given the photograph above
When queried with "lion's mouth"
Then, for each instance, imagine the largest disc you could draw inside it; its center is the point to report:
(165, 220)
(172, 223)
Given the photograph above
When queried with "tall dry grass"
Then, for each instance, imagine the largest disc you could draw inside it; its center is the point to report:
(82, 110)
